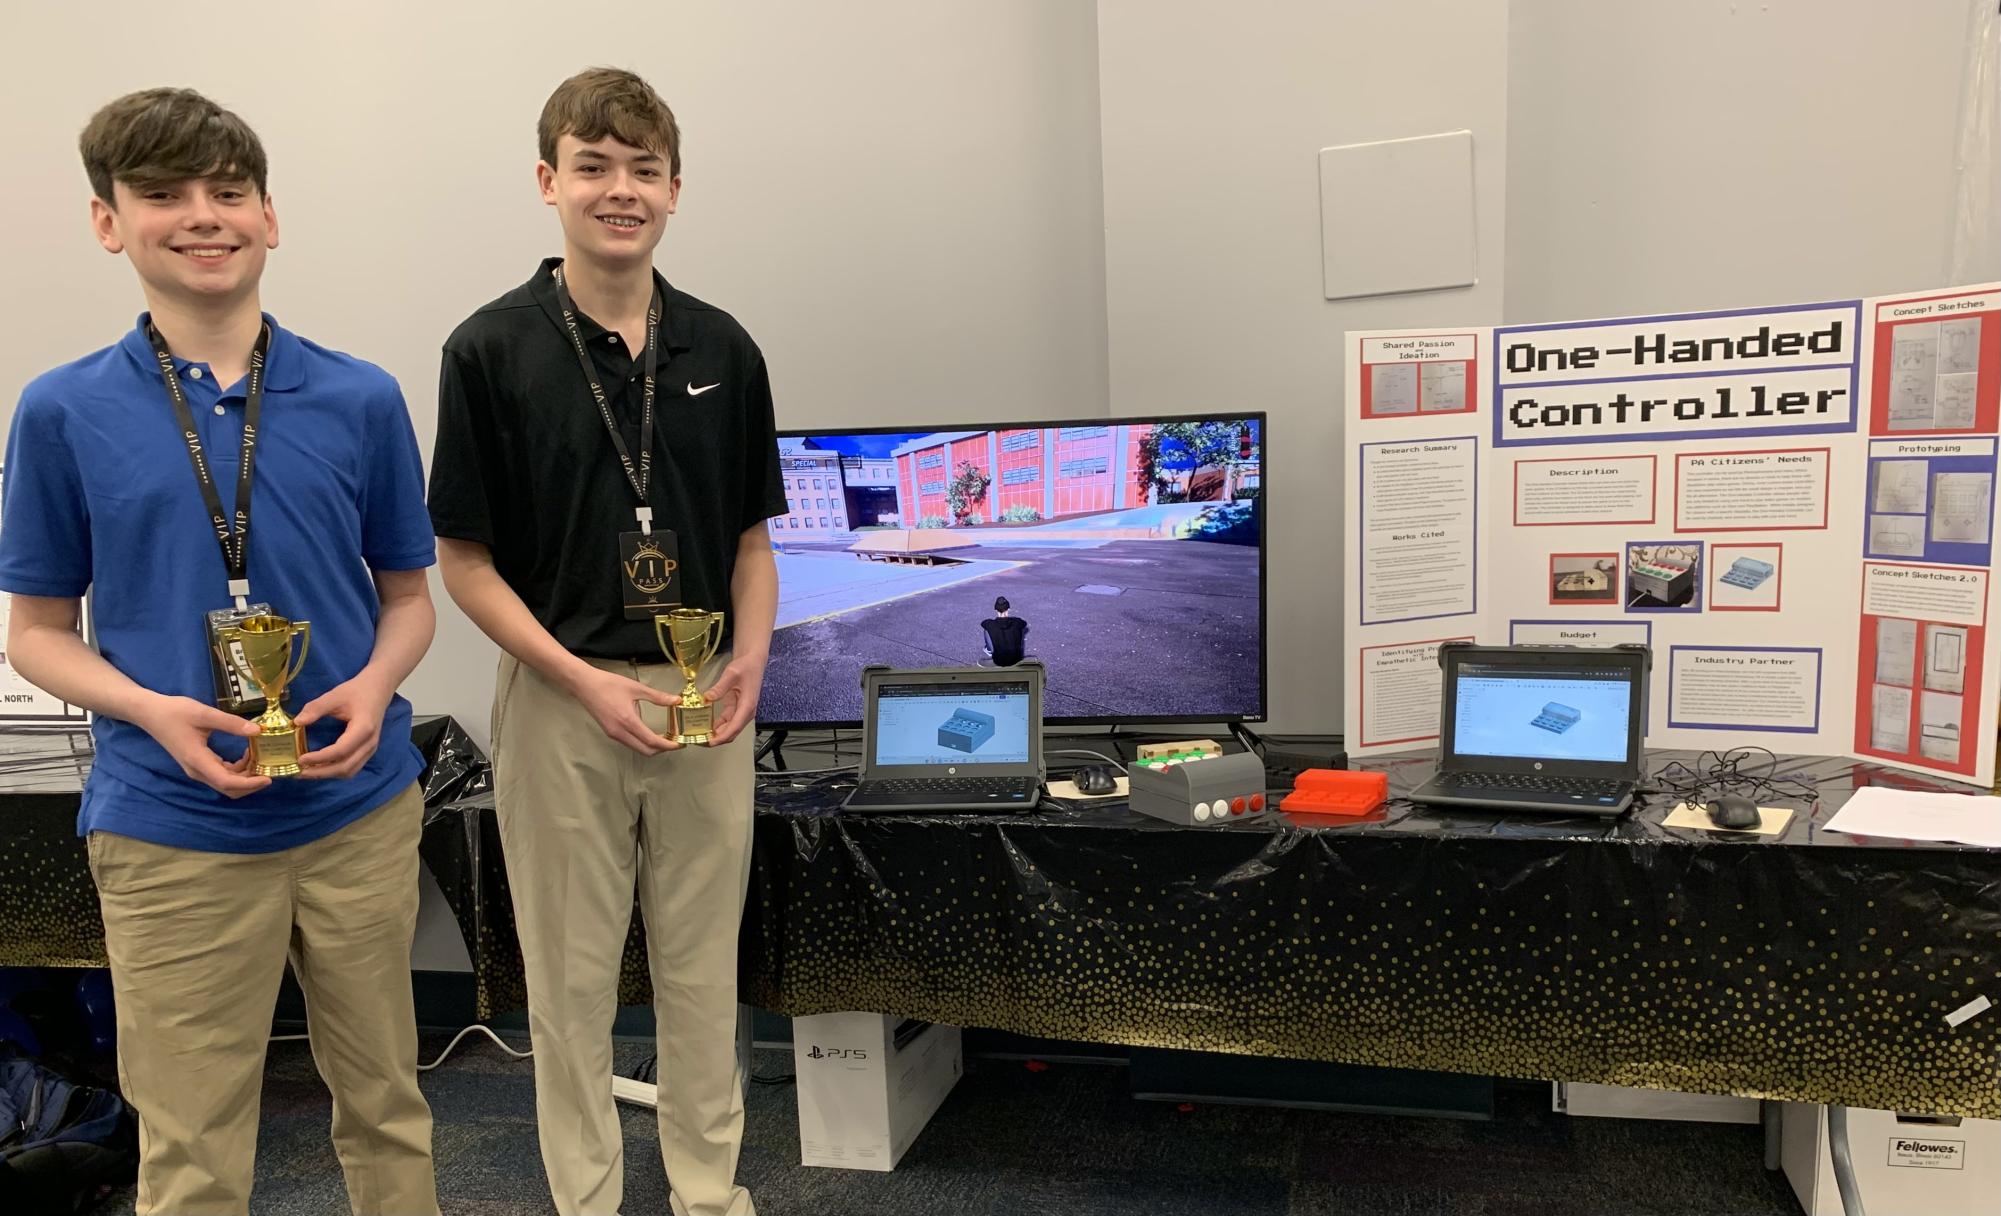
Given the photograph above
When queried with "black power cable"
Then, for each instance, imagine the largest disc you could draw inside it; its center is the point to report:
(1724, 772)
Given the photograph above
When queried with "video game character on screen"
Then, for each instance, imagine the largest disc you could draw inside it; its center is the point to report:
(1006, 634)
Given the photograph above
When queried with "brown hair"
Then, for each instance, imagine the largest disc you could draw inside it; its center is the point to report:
(609, 101)
(167, 135)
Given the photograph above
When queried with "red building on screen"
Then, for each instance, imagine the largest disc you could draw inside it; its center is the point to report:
(1033, 473)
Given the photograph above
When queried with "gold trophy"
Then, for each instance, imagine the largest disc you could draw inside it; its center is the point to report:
(260, 647)
(689, 636)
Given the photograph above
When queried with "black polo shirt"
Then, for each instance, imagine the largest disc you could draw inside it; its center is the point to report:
(523, 464)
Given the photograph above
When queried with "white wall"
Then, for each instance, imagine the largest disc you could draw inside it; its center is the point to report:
(1629, 157)
(900, 199)
(1213, 119)
(1717, 154)
(907, 201)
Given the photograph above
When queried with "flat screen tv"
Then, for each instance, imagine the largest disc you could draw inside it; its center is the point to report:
(1131, 549)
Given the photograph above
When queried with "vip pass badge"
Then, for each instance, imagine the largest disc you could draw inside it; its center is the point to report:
(649, 566)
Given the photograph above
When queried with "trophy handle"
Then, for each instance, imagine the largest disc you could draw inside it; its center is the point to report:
(304, 630)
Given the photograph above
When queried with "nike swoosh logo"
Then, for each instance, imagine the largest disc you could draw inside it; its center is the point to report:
(696, 392)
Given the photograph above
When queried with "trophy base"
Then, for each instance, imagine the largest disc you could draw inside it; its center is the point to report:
(691, 724)
(275, 752)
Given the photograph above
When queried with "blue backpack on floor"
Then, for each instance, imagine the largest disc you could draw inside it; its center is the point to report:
(62, 1145)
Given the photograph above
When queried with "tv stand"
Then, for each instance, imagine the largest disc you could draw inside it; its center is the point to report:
(1248, 737)
(774, 741)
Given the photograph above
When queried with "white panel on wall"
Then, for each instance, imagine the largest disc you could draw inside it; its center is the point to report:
(1418, 191)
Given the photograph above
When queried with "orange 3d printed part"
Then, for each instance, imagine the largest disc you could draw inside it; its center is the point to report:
(1329, 791)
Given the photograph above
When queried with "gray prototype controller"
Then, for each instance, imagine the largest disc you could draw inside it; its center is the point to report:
(1214, 789)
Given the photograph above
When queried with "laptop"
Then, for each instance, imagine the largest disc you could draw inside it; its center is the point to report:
(950, 739)
(1540, 728)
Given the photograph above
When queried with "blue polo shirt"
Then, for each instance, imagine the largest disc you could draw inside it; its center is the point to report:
(100, 496)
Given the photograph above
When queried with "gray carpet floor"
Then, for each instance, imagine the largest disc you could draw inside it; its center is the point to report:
(1068, 1140)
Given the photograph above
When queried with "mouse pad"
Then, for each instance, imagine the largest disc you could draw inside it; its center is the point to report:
(1773, 820)
(1068, 789)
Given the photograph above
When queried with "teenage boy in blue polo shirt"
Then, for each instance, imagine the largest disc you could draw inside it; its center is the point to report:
(208, 875)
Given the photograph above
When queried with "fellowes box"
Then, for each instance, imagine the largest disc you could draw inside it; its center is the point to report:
(1902, 1168)
(868, 1083)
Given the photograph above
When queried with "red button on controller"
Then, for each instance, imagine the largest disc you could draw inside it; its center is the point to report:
(1236, 806)
(1257, 802)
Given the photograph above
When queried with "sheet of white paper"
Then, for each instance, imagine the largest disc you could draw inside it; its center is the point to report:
(1913, 369)
(1938, 726)
(1945, 658)
(1442, 386)
(1896, 650)
(1961, 503)
(1897, 535)
(1904, 815)
(1393, 388)
(1900, 486)
(1959, 346)
(1890, 719)
(1910, 401)
(1953, 406)
(1914, 348)
(1939, 714)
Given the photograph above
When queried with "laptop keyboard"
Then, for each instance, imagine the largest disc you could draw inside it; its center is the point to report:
(1535, 783)
(944, 787)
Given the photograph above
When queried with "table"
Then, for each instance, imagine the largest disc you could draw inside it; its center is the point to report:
(48, 904)
(1812, 966)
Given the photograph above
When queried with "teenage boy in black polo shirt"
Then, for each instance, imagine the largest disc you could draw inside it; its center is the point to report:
(537, 507)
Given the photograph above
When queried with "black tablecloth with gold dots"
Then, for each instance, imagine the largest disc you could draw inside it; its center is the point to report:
(48, 905)
(1811, 966)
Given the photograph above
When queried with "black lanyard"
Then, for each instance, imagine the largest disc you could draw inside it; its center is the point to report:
(638, 479)
(235, 541)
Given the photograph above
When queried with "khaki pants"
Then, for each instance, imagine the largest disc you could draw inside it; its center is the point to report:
(582, 820)
(198, 943)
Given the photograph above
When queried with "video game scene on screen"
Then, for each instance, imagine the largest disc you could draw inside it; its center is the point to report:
(1125, 556)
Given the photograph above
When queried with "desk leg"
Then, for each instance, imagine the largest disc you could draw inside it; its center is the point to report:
(1768, 1116)
(1844, 1168)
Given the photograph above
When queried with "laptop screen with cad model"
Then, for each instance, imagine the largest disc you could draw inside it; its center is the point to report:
(974, 727)
(1576, 714)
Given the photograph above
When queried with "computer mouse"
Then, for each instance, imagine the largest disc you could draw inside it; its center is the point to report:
(1096, 779)
(1733, 811)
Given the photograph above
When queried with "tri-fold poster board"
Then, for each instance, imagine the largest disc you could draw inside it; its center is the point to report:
(1792, 506)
